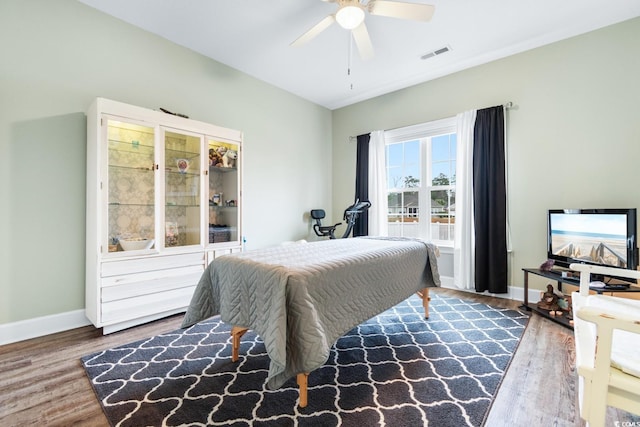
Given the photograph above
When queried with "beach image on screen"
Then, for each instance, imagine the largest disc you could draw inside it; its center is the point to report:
(593, 238)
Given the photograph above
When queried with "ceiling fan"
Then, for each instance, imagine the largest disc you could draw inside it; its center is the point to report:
(350, 16)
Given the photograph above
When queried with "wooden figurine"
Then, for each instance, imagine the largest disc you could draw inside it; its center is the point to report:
(549, 300)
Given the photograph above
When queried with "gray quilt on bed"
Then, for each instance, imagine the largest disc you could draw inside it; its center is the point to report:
(300, 298)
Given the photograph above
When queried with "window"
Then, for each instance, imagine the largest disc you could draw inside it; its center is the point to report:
(421, 177)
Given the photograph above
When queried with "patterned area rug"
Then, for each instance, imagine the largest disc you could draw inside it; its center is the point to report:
(396, 369)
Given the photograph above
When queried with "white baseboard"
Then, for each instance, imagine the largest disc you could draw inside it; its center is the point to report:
(40, 326)
(514, 292)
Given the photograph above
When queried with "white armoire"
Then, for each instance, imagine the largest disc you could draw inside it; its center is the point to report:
(164, 199)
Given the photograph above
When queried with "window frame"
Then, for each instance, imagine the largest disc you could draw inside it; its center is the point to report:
(423, 133)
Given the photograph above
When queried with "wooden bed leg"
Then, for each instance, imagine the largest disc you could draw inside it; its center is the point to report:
(302, 383)
(424, 294)
(236, 333)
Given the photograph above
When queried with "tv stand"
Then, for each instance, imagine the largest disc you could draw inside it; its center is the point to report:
(571, 279)
(569, 275)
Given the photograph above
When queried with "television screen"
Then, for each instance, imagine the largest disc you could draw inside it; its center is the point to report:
(596, 236)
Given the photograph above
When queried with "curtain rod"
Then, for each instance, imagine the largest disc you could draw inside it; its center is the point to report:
(351, 139)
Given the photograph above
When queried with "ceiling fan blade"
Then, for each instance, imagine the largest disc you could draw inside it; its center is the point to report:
(363, 41)
(315, 30)
(402, 10)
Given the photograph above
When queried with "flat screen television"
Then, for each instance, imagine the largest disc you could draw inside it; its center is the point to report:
(593, 236)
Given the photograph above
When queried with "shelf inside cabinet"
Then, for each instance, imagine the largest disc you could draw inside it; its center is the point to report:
(222, 169)
(133, 147)
(132, 168)
(182, 205)
(212, 206)
(174, 153)
(176, 172)
(119, 204)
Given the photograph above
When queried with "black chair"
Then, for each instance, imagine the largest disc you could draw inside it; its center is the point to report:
(323, 230)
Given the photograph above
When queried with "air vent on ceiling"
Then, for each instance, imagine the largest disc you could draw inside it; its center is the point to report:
(436, 52)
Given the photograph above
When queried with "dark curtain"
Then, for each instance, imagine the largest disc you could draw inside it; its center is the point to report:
(490, 201)
(361, 227)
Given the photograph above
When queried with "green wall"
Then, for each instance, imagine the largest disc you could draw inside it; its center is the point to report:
(57, 56)
(573, 136)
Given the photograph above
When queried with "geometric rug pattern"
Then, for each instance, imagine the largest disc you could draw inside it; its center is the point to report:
(396, 369)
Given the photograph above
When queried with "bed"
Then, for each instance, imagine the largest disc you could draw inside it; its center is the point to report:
(300, 298)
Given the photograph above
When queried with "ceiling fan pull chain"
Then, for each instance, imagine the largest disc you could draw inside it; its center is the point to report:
(349, 57)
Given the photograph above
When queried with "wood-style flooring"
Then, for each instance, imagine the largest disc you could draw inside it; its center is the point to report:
(42, 382)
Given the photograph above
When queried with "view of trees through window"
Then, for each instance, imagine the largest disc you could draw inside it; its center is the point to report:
(421, 176)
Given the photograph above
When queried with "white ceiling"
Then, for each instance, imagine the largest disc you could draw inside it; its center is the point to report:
(253, 36)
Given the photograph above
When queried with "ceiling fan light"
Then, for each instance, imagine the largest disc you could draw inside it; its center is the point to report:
(350, 17)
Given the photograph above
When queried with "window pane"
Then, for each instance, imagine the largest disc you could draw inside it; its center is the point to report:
(443, 156)
(412, 164)
(405, 165)
(440, 149)
(439, 201)
(441, 174)
(395, 206)
(442, 214)
(412, 152)
(394, 177)
(394, 155)
(403, 206)
(411, 206)
(411, 181)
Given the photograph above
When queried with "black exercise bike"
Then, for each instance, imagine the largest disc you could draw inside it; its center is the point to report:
(351, 214)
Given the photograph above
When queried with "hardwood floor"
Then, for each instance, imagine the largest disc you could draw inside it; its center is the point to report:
(42, 382)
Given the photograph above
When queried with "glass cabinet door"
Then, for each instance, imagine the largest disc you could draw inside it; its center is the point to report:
(182, 153)
(131, 186)
(224, 191)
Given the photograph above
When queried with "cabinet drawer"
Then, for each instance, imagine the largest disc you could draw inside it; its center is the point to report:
(141, 306)
(140, 265)
(122, 287)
